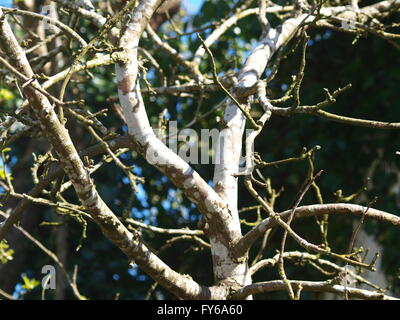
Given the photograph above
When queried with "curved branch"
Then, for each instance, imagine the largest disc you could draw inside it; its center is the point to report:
(67, 30)
(54, 173)
(87, 13)
(357, 122)
(172, 52)
(113, 229)
(55, 258)
(305, 256)
(223, 231)
(316, 111)
(247, 240)
(153, 149)
(182, 231)
(381, 8)
(6, 295)
(228, 24)
(314, 286)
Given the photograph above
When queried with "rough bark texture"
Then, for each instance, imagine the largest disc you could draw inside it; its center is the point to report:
(218, 205)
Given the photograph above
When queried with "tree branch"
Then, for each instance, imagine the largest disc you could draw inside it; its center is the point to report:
(314, 286)
(110, 225)
(164, 230)
(313, 210)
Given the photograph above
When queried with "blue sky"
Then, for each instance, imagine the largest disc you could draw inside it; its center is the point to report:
(192, 6)
(5, 3)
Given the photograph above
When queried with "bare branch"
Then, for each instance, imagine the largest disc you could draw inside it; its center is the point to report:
(67, 30)
(321, 286)
(110, 225)
(314, 210)
(163, 230)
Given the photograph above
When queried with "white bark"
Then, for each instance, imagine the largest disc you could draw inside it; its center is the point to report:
(219, 205)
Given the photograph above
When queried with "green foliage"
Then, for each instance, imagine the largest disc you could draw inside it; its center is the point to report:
(29, 284)
(3, 171)
(6, 254)
(6, 95)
